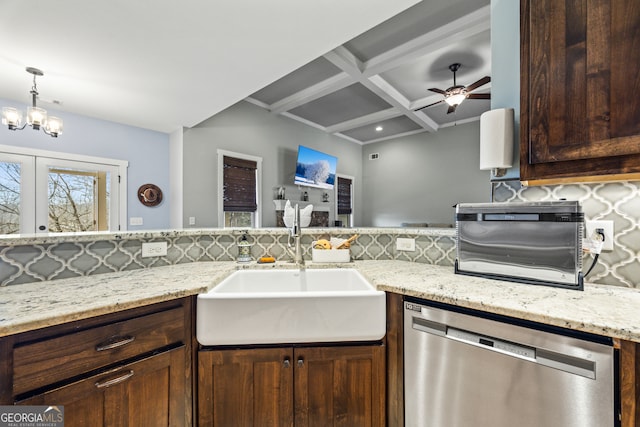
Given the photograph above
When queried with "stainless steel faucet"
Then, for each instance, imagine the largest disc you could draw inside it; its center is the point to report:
(295, 233)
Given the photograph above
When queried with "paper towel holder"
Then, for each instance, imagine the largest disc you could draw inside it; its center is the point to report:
(496, 141)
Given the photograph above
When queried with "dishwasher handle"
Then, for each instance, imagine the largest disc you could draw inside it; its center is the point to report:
(564, 362)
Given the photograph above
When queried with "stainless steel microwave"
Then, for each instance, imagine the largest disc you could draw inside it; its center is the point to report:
(530, 242)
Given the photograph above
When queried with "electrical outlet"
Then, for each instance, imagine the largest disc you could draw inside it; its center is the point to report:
(154, 249)
(192, 220)
(405, 244)
(607, 227)
(136, 220)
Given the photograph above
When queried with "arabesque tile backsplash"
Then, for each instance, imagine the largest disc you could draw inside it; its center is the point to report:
(51, 258)
(615, 201)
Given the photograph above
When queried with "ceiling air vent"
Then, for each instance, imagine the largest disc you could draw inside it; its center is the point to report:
(374, 156)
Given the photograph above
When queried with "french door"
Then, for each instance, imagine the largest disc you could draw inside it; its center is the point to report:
(40, 194)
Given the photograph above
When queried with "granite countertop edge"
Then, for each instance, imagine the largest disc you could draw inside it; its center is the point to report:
(603, 310)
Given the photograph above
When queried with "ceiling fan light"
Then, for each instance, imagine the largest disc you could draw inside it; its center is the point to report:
(11, 117)
(455, 99)
(53, 126)
(36, 117)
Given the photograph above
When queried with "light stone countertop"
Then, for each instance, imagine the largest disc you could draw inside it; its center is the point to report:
(604, 310)
(40, 304)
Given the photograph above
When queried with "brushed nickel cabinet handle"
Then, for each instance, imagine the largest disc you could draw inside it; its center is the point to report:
(114, 381)
(286, 362)
(115, 342)
(300, 362)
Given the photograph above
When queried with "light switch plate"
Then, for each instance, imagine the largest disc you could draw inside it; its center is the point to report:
(405, 244)
(154, 249)
(607, 227)
(136, 220)
(192, 220)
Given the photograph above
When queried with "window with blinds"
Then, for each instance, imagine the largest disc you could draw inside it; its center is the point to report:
(239, 188)
(344, 196)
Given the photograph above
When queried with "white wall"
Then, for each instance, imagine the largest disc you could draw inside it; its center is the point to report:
(248, 129)
(176, 173)
(419, 178)
(147, 152)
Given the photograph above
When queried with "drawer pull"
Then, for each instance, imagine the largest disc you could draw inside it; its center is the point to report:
(114, 381)
(115, 342)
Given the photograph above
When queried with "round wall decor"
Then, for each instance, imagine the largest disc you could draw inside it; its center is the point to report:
(150, 195)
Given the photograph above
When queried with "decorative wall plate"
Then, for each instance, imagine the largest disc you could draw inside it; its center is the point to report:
(150, 195)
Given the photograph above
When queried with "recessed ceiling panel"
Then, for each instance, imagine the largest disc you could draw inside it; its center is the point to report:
(390, 127)
(346, 104)
(308, 75)
(420, 19)
(413, 79)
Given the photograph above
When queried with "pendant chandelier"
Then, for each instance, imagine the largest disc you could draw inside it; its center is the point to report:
(36, 117)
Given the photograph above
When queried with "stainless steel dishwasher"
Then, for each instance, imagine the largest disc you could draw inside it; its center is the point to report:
(462, 370)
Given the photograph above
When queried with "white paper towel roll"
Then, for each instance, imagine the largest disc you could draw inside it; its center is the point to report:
(496, 139)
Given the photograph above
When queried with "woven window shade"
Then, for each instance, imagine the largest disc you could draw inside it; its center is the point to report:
(344, 196)
(239, 188)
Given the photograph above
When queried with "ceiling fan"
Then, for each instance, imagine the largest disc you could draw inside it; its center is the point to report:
(456, 94)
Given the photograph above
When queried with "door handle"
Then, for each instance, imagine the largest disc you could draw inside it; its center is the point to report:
(300, 362)
(286, 362)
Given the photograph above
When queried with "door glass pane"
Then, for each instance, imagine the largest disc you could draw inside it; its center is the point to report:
(78, 200)
(10, 197)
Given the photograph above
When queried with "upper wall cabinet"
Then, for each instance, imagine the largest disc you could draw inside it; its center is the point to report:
(580, 90)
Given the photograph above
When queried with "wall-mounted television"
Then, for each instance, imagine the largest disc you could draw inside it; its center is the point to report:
(315, 169)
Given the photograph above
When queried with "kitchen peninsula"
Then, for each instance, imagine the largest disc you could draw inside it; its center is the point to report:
(165, 296)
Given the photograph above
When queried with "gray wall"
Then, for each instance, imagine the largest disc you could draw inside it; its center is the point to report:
(505, 67)
(419, 178)
(248, 129)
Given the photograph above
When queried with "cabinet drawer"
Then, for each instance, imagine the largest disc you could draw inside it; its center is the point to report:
(38, 364)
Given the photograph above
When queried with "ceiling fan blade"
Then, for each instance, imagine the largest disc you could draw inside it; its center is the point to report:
(435, 103)
(481, 82)
(479, 96)
(436, 90)
(451, 109)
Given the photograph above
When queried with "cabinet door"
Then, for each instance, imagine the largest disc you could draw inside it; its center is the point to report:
(580, 88)
(340, 386)
(150, 392)
(245, 388)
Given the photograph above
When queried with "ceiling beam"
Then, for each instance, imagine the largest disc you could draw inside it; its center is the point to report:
(318, 90)
(376, 117)
(469, 25)
(342, 58)
(398, 135)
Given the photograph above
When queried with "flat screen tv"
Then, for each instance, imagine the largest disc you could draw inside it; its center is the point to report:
(315, 169)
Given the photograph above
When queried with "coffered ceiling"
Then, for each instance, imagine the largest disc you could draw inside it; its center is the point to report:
(379, 78)
(166, 64)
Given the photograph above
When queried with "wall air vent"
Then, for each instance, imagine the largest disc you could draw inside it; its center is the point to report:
(374, 156)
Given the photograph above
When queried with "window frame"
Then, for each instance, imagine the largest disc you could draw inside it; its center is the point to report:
(257, 216)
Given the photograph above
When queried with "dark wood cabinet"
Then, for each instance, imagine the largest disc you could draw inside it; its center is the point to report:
(301, 386)
(148, 392)
(130, 368)
(250, 387)
(580, 90)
